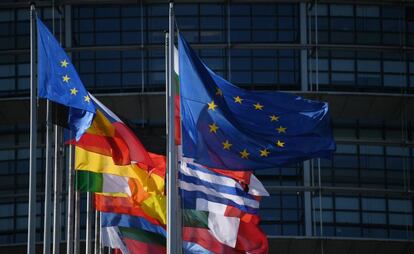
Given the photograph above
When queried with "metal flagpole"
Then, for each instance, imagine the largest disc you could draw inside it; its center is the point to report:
(174, 242)
(89, 218)
(101, 248)
(71, 154)
(76, 231)
(57, 228)
(48, 169)
(31, 230)
(70, 210)
(97, 229)
(48, 180)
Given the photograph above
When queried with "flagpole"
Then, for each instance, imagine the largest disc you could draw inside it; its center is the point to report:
(48, 181)
(70, 210)
(76, 231)
(89, 209)
(48, 169)
(57, 192)
(101, 248)
(97, 229)
(71, 153)
(174, 243)
(31, 229)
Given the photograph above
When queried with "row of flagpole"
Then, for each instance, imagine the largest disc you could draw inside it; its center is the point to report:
(52, 231)
(73, 197)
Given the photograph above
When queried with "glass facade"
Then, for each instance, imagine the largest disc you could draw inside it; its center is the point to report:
(364, 191)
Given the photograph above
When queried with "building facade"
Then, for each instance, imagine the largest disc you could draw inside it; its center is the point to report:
(357, 55)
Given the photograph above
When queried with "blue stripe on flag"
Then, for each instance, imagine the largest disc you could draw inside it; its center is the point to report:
(217, 187)
(193, 248)
(189, 199)
(129, 221)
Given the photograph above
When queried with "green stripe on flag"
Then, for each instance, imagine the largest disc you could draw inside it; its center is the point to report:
(142, 236)
(88, 181)
(194, 218)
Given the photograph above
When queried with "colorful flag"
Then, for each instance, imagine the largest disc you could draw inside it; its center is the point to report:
(227, 127)
(200, 227)
(197, 182)
(123, 205)
(140, 241)
(129, 221)
(98, 163)
(98, 182)
(110, 136)
(59, 81)
(111, 237)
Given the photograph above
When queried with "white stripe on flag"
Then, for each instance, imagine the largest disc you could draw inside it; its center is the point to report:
(256, 188)
(224, 228)
(209, 191)
(111, 237)
(115, 184)
(206, 205)
(176, 62)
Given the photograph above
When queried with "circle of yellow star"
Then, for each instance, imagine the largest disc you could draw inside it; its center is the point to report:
(219, 92)
(73, 91)
(258, 106)
(274, 118)
(86, 98)
(238, 99)
(66, 78)
(212, 106)
(264, 153)
(244, 154)
(280, 143)
(64, 63)
(281, 129)
(213, 127)
(226, 145)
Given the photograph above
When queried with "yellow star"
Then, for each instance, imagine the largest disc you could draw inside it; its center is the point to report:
(212, 106)
(238, 99)
(280, 143)
(64, 63)
(86, 98)
(274, 118)
(219, 92)
(66, 78)
(258, 106)
(281, 129)
(213, 127)
(73, 91)
(244, 154)
(226, 145)
(264, 153)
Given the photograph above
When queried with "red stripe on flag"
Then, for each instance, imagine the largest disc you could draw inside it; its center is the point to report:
(245, 217)
(137, 151)
(117, 251)
(137, 247)
(109, 146)
(177, 120)
(242, 176)
(121, 205)
(203, 237)
(251, 239)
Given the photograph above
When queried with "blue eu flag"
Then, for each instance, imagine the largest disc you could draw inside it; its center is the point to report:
(224, 126)
(59, 81)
